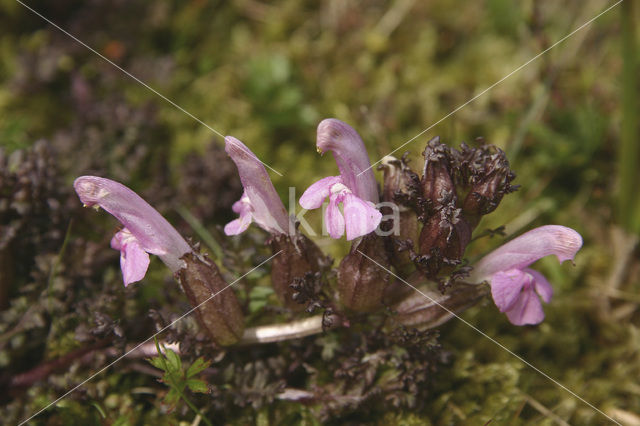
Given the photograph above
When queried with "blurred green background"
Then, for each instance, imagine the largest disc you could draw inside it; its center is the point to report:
(267, 73)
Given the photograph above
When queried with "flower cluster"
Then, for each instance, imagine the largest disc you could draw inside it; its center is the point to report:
(423, 242)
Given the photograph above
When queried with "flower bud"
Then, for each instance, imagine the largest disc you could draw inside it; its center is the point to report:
(443, 240)
(299, 255)
(218, 310)
(437, 184)
(446, 231)
(491, 182)
(361, 282)
(400, 182)
(401, 188)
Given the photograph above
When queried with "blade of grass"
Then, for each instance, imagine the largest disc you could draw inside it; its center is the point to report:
(629, 153)
(56, 263)
(201, 231)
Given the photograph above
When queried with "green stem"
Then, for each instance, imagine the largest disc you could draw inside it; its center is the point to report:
(629, 154)
(193, 407)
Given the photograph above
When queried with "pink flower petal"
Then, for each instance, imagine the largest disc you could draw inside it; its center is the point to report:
(239, 225)
(333, 217)
(134, 261)
(267, 208)
(527, 248)
(314, 195)
(151, 231)
(527, 309)
(542, 286)
(361, 217)
(506, 287)
(118, 240)
(350, 155)
(242, 205)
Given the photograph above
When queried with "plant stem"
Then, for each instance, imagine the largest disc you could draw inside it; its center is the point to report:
(629, 154)
(286, 331)
(193, 407)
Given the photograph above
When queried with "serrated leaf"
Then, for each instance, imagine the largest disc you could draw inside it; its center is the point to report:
(157, 362)
(175, 364)
(198, 365)
(197, 385)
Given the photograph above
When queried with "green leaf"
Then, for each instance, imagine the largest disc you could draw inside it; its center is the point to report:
(198, 365)
(260, 292)
(175, 364)
(157, 362)
(197, 385)
(169, 379)
(258, 298)
(256, 305)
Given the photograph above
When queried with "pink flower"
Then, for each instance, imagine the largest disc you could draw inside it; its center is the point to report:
(355, 188)
(513, 285)
(146, 231)
(260, 202)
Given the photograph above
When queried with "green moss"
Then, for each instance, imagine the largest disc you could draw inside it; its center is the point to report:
(267, 73)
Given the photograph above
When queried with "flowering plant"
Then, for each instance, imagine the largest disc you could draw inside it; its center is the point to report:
(423, 240)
